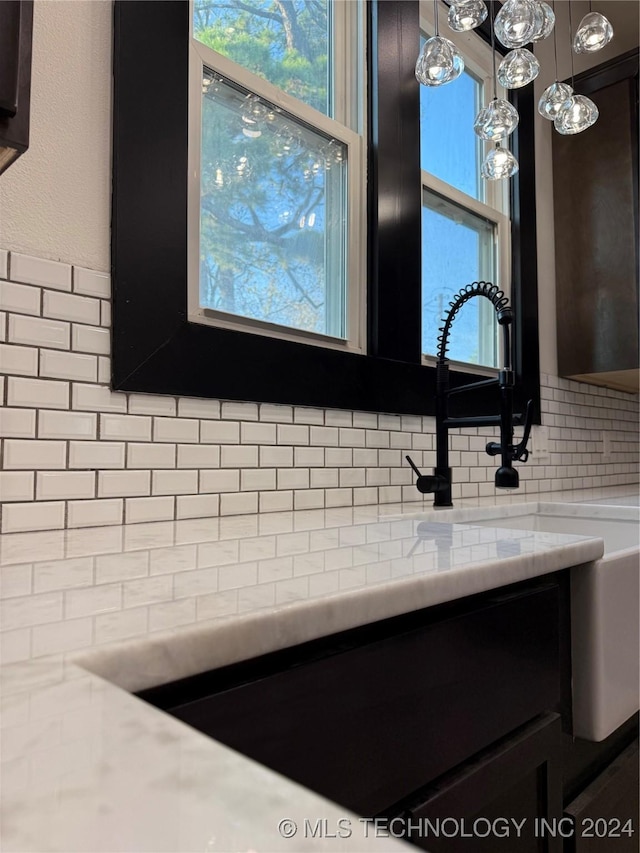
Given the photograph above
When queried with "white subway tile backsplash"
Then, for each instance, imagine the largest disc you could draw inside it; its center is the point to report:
(37, 393)
(97, 454)
(258, 479)
(234, 411)
(276, 457)
(125, 428)
(194, 407)
(66, 365)
(151, 455)
(242, 456)
(18, 361)
(223, 432)
(57, 424)
(90, 339)
(17, 423)
(37, 331)
(20, 298)
(40, 271)
(94, 513)
(97, 398)
(151, 404)
(241, 503)
(4, 263)
(324, 436)
(34, 455)
(20, 518)
(302, 415)
(198, 456)
(257, 433)
(149, 509)
(175, 429)
(91, 283)
(105, 313)
(64, 485)
(65, 306)
(276, 501)
(16, 486)
(276, 413)
(197, 506)
(219, 481)
(308, 457)
(272, 457)
(113, 484)
(308, 499)
(174, 483)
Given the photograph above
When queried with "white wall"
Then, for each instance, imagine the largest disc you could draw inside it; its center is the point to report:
(55, 200)
(623, 15)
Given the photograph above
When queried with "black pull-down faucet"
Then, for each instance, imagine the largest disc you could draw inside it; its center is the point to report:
(439, 483)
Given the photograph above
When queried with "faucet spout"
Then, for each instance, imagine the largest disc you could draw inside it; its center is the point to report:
(506, 476)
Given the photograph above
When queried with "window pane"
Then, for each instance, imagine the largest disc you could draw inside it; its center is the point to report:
(449, 148)
(272, 213)
(286, 43)
(458, 247)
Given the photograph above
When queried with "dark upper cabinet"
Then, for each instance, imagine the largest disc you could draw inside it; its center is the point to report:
(595, 182)
(16, 26)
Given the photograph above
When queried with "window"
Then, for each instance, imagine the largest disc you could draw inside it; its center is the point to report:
(276, 213)
(465, 227)
(158, 348)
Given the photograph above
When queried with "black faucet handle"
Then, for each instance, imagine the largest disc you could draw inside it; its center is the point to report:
(427, 483)
(520, 452)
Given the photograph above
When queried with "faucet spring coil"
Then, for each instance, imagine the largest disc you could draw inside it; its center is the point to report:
(478, 288)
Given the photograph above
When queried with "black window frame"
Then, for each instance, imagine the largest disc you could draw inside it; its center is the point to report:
(155, 349)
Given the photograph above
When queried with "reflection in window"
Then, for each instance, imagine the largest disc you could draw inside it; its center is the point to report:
(449, 148)
(458, 247)
(286, 42)
(272, 210)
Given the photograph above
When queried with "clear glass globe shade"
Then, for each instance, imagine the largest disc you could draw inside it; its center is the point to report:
(439, 62)
(545, 21)
(577, 115)
(553, 99)
(518, 68)
(593, 34)
(466, 15)
(497, 120)
(498, 164)
(516, 23)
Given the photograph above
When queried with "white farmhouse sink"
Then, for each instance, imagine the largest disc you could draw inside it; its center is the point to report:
(605, 612)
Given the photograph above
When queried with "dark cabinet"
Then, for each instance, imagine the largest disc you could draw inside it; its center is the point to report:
(595, 178)
(606, 814)
(509, 798)
(16, 24)
(367, 723)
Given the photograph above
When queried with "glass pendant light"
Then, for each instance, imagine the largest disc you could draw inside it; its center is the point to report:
(579, 112)
(518, 68)
(498, 164)
(439, 61)
(466, 15)
(545, 21)
(516, 23)
(576, 115)
(496, 121)
(557, 95)
(554, 98)
(593, 34)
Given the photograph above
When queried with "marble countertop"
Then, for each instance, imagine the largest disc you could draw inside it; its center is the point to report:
(88, 615)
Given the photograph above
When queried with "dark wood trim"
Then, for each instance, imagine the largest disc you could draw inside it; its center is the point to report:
(16, 26)
(156, 350)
